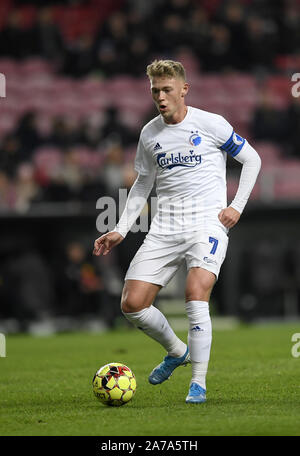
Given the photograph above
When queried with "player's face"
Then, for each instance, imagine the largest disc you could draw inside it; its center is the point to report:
(168, 95)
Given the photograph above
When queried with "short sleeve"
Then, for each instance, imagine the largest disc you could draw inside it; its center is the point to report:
(143, 163)
(226, 138)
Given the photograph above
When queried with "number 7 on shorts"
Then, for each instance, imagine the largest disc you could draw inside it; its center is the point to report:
(215, 244)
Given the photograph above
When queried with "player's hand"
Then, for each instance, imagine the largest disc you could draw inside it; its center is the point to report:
(229, 217)
(104, 244)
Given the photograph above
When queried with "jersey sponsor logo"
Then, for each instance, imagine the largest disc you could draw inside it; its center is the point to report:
(169, 160)
(195, 139)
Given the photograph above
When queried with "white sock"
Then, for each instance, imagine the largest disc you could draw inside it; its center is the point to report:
(153, 323)
(199, 339)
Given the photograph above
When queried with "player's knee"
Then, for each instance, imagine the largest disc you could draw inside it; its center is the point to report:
(129, 303)
(200, 287)
(136, 297)
(199, 292)
(127, 306)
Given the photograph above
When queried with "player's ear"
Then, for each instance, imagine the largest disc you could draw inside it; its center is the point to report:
(185, 89)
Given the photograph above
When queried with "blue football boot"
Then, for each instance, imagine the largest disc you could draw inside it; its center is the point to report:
(165, 369)
(197, 394)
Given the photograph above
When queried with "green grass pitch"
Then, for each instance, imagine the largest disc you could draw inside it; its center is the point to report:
(253, 386)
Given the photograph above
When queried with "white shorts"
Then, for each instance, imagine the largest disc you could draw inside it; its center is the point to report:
(160, 256)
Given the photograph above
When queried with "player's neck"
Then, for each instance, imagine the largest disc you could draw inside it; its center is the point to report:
(178, 116)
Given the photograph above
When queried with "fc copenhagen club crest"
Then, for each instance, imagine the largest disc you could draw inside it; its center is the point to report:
(195, 139)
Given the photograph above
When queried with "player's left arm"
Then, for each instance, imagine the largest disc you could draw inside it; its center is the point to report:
(239, 148)
(251, 164)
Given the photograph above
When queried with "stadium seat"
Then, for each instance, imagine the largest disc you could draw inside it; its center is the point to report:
(242, 83)
(36, 66)
(8, 67)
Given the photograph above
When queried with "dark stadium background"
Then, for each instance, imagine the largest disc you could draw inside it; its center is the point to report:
(76, 99)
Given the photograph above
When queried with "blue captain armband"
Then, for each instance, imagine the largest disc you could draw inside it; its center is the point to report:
(234, 144)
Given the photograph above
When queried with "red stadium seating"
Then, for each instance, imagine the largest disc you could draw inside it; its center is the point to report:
(34, 85)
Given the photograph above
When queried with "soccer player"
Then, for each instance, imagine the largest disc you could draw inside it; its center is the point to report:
(183, 150)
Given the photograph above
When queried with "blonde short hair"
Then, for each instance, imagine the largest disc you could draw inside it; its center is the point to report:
(165, 69)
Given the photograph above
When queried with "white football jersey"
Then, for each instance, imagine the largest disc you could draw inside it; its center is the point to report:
(189, 159)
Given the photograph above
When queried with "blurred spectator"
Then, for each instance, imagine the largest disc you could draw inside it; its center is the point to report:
(138, 53)
(27, 288)
(63, 182)
(228, 36)
(129, 175)
(79, 57)
(57, 190)
(44, 38)
(137, 18)
(41, 3)
(289, 28)
(268, 123)
(10, 154)
(261, 43)
(7, 193)
(169, 33)
(92, 188)
(198, 32)
(112, 174)
(110, 46)
(13, 37)
(108, 61)
(27, 190)
(89, 133)
(27, 134)
(63, 134)
(219, 53)
(71, 181)
(233, 17)
(113, 129)
(181, 8)
(115, 31)
(244, 35)
(293, 127)
(70, 169)
(79, 283)
(141, 9)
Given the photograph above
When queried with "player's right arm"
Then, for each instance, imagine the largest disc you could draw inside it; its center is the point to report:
(136, 200)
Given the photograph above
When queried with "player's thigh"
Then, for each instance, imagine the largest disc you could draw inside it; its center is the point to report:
(156, 261)
(199, 284)
(138, 295)
(204, 259)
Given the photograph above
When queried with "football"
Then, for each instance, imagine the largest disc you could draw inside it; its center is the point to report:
(114, 384)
